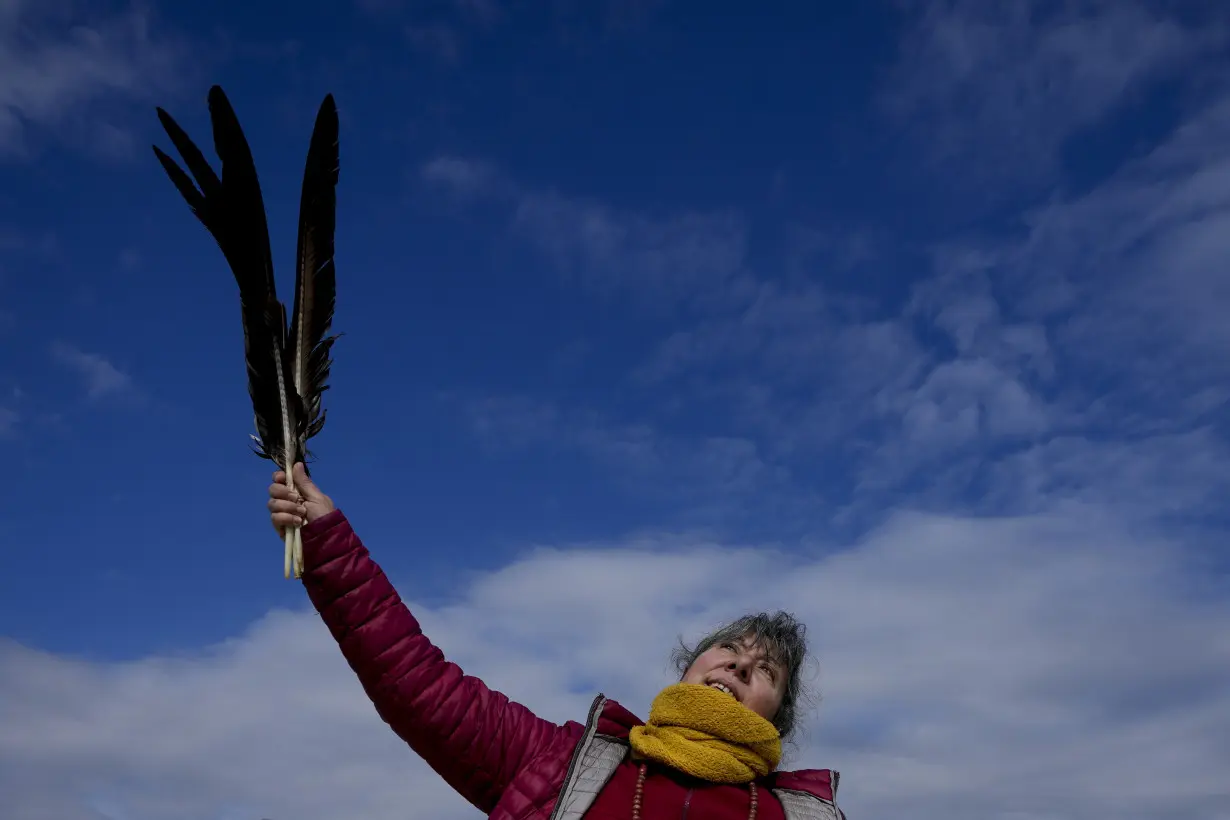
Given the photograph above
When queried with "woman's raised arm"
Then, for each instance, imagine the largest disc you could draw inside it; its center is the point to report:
(474, 737)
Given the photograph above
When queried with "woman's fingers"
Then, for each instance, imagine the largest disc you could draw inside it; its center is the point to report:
(282, 520)
(281, 491)
(286, 512)
(286, 506)
(278, 488)
(290, 508)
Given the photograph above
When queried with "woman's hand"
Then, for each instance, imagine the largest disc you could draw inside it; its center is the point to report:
(294, 509)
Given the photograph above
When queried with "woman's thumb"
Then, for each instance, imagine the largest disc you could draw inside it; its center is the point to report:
(304, 484)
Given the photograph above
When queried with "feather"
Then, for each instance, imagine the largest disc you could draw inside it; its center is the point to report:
(287, 367)
(315, 285)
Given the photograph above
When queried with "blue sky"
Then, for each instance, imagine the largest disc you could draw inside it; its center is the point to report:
(908, 317)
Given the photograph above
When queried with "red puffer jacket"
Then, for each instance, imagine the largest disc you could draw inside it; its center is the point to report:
(503, 759)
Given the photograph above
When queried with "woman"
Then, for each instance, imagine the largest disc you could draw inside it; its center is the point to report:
(710, 748)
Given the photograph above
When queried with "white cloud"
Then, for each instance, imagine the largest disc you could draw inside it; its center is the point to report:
(1100, 325)
(660, 258)
(998, 87)
(675, 255)
(60, 60)
(101, 378)
(969, 669)
(442, 31)
(1144, 249)
(1183, 473)
(688, 468)
(961, 399)
(466, 178)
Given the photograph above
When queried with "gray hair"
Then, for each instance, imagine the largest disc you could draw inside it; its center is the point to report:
(781, 636)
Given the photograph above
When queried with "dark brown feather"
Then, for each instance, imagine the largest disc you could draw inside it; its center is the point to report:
(315, 280)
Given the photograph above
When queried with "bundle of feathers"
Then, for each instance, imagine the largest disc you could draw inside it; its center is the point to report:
(288, 362)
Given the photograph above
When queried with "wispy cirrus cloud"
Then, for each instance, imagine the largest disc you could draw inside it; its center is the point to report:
(1184, 474)
(691, 468)
(1144, 249)
(441, 31)
(997, 88)
(678, 255)
(1118, 298)
(64, 63)
(468, 179)
(691, 256)
(800, 371)
(1099, 320)
(1013, 366)
(100, 378)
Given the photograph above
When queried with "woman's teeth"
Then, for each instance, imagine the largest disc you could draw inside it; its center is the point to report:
(721, 687)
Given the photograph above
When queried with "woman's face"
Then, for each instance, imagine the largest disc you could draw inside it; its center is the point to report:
(751, 676)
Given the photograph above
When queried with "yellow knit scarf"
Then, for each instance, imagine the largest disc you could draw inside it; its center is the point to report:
(707, 734)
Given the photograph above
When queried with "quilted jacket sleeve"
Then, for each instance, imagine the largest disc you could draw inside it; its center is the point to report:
(475, 738)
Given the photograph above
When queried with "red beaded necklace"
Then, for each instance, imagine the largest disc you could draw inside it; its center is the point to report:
(639, 797)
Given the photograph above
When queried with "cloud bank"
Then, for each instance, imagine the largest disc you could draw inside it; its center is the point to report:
(1055, 665)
